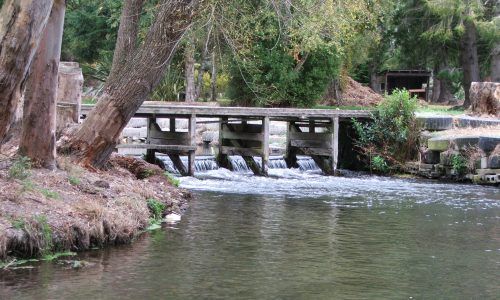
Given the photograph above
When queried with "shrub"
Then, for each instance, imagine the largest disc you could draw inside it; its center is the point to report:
(392, 136)
(459, 163)
(172, 179)
(20, 169)
(156, 208)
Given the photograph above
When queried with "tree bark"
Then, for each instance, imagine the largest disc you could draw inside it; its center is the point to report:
(126, 42)
(189, 70)
(203, 65)
(93, 143)
(21, 26)
(495, 63)
(469, 59)
(214, 79)
(38, 136)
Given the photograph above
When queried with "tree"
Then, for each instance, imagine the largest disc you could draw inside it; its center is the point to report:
(38, 136)
(21, 27)
(94, 141)
(189, 61)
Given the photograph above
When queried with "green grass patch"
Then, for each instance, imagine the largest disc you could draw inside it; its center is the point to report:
(74, 180)
(172, 179)
(441, 109)
(20, 169)
(50, 194)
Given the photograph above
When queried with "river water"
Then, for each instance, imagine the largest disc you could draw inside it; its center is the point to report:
(296, 235)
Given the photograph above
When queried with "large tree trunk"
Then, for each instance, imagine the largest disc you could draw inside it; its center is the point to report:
(469, 59)
(38, 136)
(126, 42)
(122, 96)
(495, 63)
(203, 65)
(189, 70)
(21, 25)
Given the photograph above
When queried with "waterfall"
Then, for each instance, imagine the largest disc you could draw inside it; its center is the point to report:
(208, 163)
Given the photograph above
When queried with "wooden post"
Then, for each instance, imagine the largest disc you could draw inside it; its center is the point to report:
(265, 145)
(172, 125)
(291, 152)
(312, 126)
(192, 139)
(335, 143)
(223, 159)
(150, 153)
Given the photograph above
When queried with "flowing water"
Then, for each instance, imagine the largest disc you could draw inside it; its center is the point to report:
(296, 235)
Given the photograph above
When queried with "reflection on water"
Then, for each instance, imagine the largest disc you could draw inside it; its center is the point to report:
(297, 236)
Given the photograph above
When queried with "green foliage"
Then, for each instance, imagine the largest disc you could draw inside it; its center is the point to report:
(459, 164)
(391, 138)
(379, 164)
(74, 180)
(45, 232)
(18, 224)
(156, 208)
(273, 77)
(172, 179)
(49, 194)
(20, 169)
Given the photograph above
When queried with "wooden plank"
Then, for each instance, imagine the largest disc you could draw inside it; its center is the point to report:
(192, 142)
(165, 110)
(179, 165)
(324, 136)
(157, 147)
(316, 151)
(291, 152)
(335, 143)
(243, 128)
(311, 144)
(265, 146)
(230, 135)
(241, 151)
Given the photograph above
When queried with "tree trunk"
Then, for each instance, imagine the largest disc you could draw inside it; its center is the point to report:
(495, 63)
(38, 136)
(189, 70)
(69, 95)
(469, 59)
(214, 79)
(21, 25)
(203, 65)
(126, 42)
(124, 94)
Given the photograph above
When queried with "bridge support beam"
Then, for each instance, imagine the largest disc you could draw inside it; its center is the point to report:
(321, 146)
(238, 137)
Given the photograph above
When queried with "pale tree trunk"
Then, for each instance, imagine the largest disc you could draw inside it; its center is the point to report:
(469, 59)
(214, 79)
(126, 42)
(436, 85)
(203, 65)
(94, 141)
(189, 70)
(495, 63)
(21, 25)
(38, 136)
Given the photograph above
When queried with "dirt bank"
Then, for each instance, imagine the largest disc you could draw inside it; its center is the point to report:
(71, 208)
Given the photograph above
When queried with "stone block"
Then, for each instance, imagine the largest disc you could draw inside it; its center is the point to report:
(476, 122)
(429, 157)
(494, 162)
(435, 123)
(488, 143)
(465, 142)
(438, 144)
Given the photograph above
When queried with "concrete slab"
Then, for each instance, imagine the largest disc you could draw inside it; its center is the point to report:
(475, 122)
(487, 143)
(438, 144)
(435, 123)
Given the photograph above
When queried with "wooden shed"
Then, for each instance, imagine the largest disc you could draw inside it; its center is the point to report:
(416, 81)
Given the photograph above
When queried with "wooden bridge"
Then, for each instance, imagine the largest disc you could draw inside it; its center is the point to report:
(245, 131)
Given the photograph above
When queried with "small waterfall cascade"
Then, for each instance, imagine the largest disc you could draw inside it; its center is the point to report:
(208, 163)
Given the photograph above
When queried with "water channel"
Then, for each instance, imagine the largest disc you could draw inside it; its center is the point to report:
(296, 235)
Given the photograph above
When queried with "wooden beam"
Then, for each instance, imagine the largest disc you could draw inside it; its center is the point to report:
(192, 142)
(335, 143)
(158, 147)
(291, 152)
(176, 160)
(230, 135)
(227, 150)
(265, 146)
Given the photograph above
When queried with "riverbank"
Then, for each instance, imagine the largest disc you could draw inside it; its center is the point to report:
(74, 209)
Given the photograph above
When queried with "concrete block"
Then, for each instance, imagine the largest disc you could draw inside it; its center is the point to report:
(488, 143)
(482, 172)
(476, 122)
(137, 123)
(135, 132)
(494, 162)
(429, 157)
(465, 142)
(435, 123)
(438, 144)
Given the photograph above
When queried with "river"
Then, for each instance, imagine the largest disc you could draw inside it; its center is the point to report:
(296, 235)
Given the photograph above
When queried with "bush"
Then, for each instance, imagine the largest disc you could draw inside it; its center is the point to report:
(271, 77)
(156, 208)
(393, 133)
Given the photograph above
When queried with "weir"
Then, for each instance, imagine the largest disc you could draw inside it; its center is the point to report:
(245, 132)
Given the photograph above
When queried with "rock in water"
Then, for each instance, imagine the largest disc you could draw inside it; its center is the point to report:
(485, 98)
(172, 218)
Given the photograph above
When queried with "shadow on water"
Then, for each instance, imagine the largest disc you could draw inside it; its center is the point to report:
(297, 235)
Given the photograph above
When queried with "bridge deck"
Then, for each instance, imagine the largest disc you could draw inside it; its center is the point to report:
(162, 110)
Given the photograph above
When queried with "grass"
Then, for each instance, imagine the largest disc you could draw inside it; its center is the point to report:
(172, 179)
(440, 109)
(74, 180)
(49, 194)
(20, 169)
